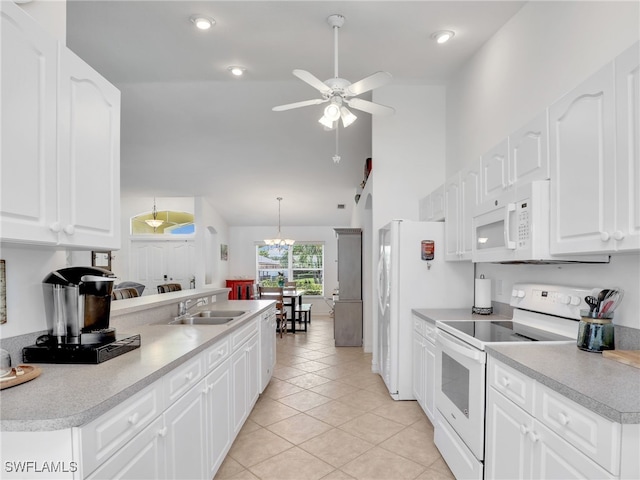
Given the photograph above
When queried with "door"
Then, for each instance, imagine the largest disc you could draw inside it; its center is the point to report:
(460, 388)
(494, 168)
(218, 408)
(582, 156)
(452, 215)
(528, 152)
(469, 201)
(154, 262)
(28, 185)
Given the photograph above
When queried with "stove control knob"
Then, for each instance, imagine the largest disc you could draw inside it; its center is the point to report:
(520, 294)
(575, 301)
(564, 299)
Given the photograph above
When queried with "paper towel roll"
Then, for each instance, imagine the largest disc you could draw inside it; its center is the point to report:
(483, 293)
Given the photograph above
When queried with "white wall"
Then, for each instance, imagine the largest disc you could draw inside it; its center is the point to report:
(242, 254)
(546, 49)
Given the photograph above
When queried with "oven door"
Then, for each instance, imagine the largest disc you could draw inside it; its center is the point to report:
(494, 230)
(460, 389)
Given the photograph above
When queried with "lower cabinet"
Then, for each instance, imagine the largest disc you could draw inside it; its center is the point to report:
(533, 432)
(424, 366)
(218, 416)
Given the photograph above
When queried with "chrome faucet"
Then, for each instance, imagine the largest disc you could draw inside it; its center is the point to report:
(184, 307)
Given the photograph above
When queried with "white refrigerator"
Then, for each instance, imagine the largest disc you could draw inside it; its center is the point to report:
(407, 281)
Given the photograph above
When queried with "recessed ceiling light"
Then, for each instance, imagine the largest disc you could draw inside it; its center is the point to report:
(203, 22)
(237, 71)
(443, 36)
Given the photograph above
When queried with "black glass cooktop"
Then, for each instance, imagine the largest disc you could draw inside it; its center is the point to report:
(503, 331)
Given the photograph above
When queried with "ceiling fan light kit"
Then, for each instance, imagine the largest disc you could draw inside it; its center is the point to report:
(339, 92)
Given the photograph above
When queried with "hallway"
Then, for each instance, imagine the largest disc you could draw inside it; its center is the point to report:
(326, 416)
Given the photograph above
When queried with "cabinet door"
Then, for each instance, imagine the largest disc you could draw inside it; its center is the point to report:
(430, 380)
(494, 167)
(88, 156)
(28, 129)
(418, 368)
(452, 216)
(252, 350)
(469, 201)
(508, 450)
(528, 152)
(218, 406)
(186, 438)
(627, 232)
(142, 458)
(581, 147)
(437, 204)
(239, 394)
(555, 458)
(267, 348)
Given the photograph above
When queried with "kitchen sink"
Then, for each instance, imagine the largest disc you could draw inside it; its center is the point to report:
(218, 313)
(200, 320)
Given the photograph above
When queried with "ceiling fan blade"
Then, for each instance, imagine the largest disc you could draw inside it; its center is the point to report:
(312, 80)
(305, 103)
(369, 83)
(369, 107)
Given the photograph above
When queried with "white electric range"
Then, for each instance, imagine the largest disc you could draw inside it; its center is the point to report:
(542, 313)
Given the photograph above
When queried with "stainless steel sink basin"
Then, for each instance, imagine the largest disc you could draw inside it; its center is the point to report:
(200, 320)
(218, 313)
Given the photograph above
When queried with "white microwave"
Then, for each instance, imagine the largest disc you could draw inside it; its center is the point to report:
(514, 228)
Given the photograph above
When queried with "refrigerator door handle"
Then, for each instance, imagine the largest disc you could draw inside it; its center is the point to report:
(382, 300)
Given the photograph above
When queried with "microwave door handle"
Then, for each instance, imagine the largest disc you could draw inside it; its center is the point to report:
(468, 352)
(510, 244)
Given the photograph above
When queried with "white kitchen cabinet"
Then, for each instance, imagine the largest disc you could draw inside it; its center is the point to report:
(529, 152)
(267, 347)
(494, 170)
(582, 160)
(245, 374)
(462, 196)
(88, 156)
(28, 193)
(142, 459)
(627, 189)
(61, 142)
(218, 416)
(186, 435)
(432, 207)
(424, 366)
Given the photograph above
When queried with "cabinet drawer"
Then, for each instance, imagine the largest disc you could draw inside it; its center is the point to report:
(244, 334)
(216, 354)
(514, 385)
(419, 326)
(590, 433)
(102, 437)
(182, 379)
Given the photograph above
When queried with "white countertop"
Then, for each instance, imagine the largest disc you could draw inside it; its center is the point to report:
(65, 396)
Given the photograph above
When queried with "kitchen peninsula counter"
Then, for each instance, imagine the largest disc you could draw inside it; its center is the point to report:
(604, 386)
(65, 396)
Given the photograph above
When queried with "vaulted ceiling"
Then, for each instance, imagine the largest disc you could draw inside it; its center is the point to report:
(190, 128)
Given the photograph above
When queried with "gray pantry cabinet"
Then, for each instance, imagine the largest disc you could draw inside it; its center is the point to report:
(348, 309)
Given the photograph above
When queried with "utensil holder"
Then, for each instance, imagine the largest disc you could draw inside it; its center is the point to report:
(595, 334)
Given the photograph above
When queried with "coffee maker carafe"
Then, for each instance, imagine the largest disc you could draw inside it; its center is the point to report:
(77, 305)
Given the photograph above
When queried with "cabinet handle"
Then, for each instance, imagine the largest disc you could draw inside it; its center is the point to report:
(534, 437)
(162, 432)
(564, 419)
(523, 429)
(220, 352)
(604, 236)
(618, 235)
(505, 382)
(189, 376)
(133, 419)
(69, 229)
(55, 227)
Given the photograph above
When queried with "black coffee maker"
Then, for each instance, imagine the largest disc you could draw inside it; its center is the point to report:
(77, 303)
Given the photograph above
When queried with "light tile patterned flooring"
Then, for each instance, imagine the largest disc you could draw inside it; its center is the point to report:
(326, 416)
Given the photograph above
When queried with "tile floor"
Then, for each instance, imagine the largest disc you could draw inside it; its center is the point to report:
(324, 415)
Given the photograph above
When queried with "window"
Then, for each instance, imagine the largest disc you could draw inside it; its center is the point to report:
(305, 266)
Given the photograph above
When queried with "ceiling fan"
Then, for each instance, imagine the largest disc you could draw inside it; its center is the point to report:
(339, 92)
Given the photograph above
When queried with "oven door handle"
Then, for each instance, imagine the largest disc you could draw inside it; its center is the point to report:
(467, 352)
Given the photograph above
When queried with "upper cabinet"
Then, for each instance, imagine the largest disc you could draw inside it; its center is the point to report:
(61, 142)
(494, 167)
(594, 188)
(462, 197)
(431, 207)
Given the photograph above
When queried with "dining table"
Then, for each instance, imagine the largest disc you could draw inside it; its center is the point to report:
(292, 298)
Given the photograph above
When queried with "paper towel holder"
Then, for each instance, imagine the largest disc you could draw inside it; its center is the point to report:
(482, 310)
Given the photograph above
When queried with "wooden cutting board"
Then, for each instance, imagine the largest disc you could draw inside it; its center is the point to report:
(628, 357)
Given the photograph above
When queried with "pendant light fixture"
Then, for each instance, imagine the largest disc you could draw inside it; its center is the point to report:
(278, 240)
(154, 222)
